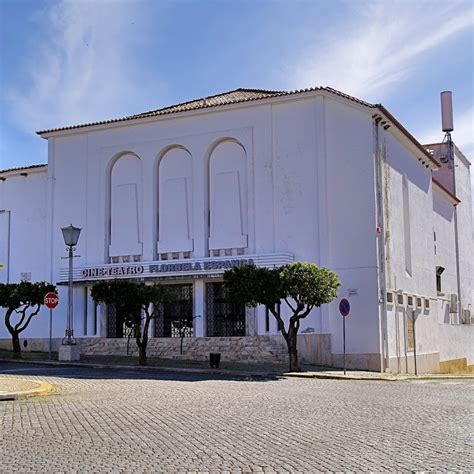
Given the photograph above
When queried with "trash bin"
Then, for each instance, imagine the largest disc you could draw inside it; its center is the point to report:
(215, 360)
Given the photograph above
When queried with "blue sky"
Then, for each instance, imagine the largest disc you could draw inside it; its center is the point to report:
(68, 62)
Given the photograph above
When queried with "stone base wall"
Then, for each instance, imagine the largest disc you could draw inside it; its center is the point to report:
(232, 349)
(312, 348)
(369, 362)
(425, 364)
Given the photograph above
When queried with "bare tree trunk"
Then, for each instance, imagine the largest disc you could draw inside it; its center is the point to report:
(142, 354)
(291, 342)
(142, 342)
(16, 346)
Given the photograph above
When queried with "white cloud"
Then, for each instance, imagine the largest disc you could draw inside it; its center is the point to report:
(83, 69)
(380, 45)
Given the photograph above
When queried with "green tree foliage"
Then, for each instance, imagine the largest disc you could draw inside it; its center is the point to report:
(302, 286)
(136, 305)
(22, 302)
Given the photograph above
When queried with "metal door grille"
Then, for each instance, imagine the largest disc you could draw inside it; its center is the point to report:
(171, 316)
(222, 317)
(115, 326)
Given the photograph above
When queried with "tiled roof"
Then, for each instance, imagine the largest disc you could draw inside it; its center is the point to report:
(239, 96)
(22, 168)
(236, 96)
(232, 97)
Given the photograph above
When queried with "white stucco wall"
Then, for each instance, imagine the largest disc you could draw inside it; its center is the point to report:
(432, 242)
(308, 192)
(23, 210)
(303, 170)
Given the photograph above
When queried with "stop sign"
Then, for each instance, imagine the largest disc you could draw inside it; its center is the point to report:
(51, 300)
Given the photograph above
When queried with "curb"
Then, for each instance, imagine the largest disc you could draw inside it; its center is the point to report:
(345, 377)
(303, 375)
(43, 389)
(322, 375)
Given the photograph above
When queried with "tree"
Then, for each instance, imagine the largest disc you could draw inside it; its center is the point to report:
(183, 324)
(136, 304)
(23, 301)
(302, 286)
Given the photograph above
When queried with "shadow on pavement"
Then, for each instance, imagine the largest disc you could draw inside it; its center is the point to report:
(15, 369)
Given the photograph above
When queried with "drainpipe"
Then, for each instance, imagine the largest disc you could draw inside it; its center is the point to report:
(456, 235)
(382, 285)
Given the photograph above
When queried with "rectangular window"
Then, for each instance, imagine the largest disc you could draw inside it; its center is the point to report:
(267, 316)
(267, 319)
(410, 331)
(400, 299)
(439, 272)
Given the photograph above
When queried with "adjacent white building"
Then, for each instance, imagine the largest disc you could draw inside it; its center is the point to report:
(178, 195)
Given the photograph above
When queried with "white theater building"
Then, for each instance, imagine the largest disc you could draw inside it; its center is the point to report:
(178, 195)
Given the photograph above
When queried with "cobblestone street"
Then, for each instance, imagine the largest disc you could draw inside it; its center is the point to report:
(111, 421)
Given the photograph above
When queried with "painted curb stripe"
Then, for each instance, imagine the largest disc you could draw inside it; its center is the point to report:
(43, 389)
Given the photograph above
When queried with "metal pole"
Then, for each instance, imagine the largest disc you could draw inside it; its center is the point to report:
(50, 332)
(69, 329)
(344, 340)
(414, 340)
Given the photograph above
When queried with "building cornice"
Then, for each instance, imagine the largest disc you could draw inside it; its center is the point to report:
(22, 171)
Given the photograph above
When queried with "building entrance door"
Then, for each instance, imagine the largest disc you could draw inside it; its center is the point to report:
(115, 325)
(176, 319)
(222, 317)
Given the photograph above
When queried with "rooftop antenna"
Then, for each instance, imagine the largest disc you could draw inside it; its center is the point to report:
(447, 124)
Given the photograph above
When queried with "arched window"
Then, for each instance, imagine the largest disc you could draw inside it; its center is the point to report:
(126, 209)
(175, 203)
(227, 198)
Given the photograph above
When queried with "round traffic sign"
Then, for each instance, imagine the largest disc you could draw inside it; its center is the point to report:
(344, 307)
(51, 300)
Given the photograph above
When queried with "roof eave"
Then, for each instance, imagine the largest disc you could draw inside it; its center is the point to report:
(425, 157)
(23, 170)
(446, 192)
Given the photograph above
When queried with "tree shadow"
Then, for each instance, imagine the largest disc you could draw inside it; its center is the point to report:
(17, 369)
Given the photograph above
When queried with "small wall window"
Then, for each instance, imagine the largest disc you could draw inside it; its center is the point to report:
(400, 299)
(389, 297)
(439, 272)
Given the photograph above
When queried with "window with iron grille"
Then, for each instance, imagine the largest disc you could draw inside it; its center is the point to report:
(176, 316)
(222, 317)
(115, 326)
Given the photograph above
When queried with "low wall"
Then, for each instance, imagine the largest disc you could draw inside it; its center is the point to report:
(456, 342)
(425, 364)
(370, 362)
(312, 348)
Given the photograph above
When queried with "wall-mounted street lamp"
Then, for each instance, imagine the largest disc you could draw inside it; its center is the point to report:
(71, 237)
